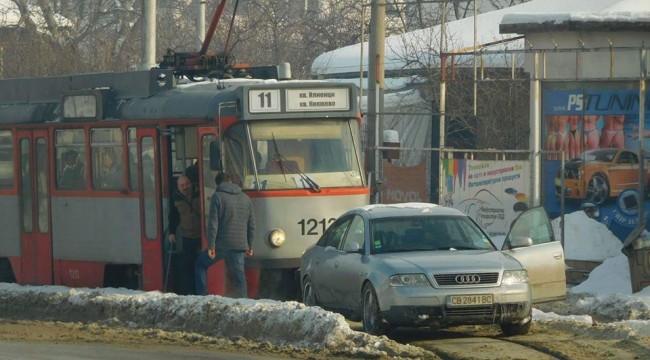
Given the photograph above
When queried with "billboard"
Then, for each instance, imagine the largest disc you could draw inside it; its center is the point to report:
(493, 193)
(596, 125)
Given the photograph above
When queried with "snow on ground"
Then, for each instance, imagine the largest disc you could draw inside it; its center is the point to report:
(606, 297)
(285, 324)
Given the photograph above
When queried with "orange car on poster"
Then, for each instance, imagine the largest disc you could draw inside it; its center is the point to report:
(600, 174)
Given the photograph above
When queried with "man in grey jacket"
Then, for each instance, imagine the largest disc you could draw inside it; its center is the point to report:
(230, 229)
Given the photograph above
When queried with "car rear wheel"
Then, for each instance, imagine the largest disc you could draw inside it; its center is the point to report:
(518, 328)
(372, 323)
(308, 296)
(597, 189)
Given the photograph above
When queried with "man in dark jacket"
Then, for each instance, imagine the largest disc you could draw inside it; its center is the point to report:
(186, 213)
(73, 176)
(230, 229)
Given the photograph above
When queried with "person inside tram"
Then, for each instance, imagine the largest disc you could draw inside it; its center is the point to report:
(258, 162)
(73, 176)
(110, 176)
(192, 172)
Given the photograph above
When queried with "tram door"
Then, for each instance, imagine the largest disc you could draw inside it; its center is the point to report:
(36, 237)
(216, 273)
(150, 208)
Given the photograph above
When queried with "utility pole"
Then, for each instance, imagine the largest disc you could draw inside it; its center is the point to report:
(200, 22)
(443, 97)
(148, 35)
(376, 95)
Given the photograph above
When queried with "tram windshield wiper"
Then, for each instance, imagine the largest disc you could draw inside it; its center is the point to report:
(278, 157)
(292, 167)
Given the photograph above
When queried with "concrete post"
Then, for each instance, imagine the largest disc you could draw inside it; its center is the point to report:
(148, 35)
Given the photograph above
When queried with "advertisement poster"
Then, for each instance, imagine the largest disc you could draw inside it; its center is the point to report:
(596, 125)
(493, 193)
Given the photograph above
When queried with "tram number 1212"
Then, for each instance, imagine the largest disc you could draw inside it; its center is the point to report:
(314, 226)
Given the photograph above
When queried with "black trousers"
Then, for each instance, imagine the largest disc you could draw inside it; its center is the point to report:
(185, 273)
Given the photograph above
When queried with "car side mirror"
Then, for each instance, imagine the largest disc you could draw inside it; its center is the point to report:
(351, 247)
(520, 241)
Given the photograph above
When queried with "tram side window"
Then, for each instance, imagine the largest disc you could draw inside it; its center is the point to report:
(70, 156)
(133, 158)
(208, 174)
(106, 151)
(26, 185)
(42, 186)
(6, 160)
(237, 159)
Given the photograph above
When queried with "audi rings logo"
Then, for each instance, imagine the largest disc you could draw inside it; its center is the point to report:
(468, 279)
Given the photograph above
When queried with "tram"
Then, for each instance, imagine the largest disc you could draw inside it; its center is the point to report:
(88, 163)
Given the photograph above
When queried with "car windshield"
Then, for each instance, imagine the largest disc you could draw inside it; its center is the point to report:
(604, 155)
(427, 233)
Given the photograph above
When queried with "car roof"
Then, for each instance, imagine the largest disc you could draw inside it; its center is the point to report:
(376, 211)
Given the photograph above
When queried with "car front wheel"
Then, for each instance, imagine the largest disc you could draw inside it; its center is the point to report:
(372, 323)
(597, 190)
(308, 296)
(521, 327)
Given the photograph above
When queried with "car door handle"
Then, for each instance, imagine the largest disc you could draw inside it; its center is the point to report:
(557, 256)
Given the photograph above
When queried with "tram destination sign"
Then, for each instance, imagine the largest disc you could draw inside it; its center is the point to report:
(264, 101)
(299, 100)
(328, 99)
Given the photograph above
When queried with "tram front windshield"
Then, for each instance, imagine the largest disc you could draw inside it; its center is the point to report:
(295, 154)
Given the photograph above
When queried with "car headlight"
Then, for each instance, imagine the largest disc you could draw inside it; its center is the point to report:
(276, 238)
(581, 173)
(515, 277)
(409, 280)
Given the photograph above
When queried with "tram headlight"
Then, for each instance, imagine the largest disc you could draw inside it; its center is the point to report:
(277, 238)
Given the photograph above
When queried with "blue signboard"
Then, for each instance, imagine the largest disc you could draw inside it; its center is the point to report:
(596, 126)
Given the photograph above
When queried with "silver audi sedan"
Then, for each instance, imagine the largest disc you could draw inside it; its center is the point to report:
(419, 264)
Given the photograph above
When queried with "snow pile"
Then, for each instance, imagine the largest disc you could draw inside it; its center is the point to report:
(586, 238)
(614, 272)
(606, 296)
(288, 324)
(613, 307)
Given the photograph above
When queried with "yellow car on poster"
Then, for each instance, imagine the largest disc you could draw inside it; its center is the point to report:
(600, 174)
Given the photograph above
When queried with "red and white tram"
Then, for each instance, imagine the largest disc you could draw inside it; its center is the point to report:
(88, 162)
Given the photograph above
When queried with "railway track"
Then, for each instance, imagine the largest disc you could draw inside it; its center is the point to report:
(546, 341)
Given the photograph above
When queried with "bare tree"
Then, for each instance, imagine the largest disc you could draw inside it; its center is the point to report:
(73, 36)
(500, 117)
(500, 4)
(271, 32)
(55, 37)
